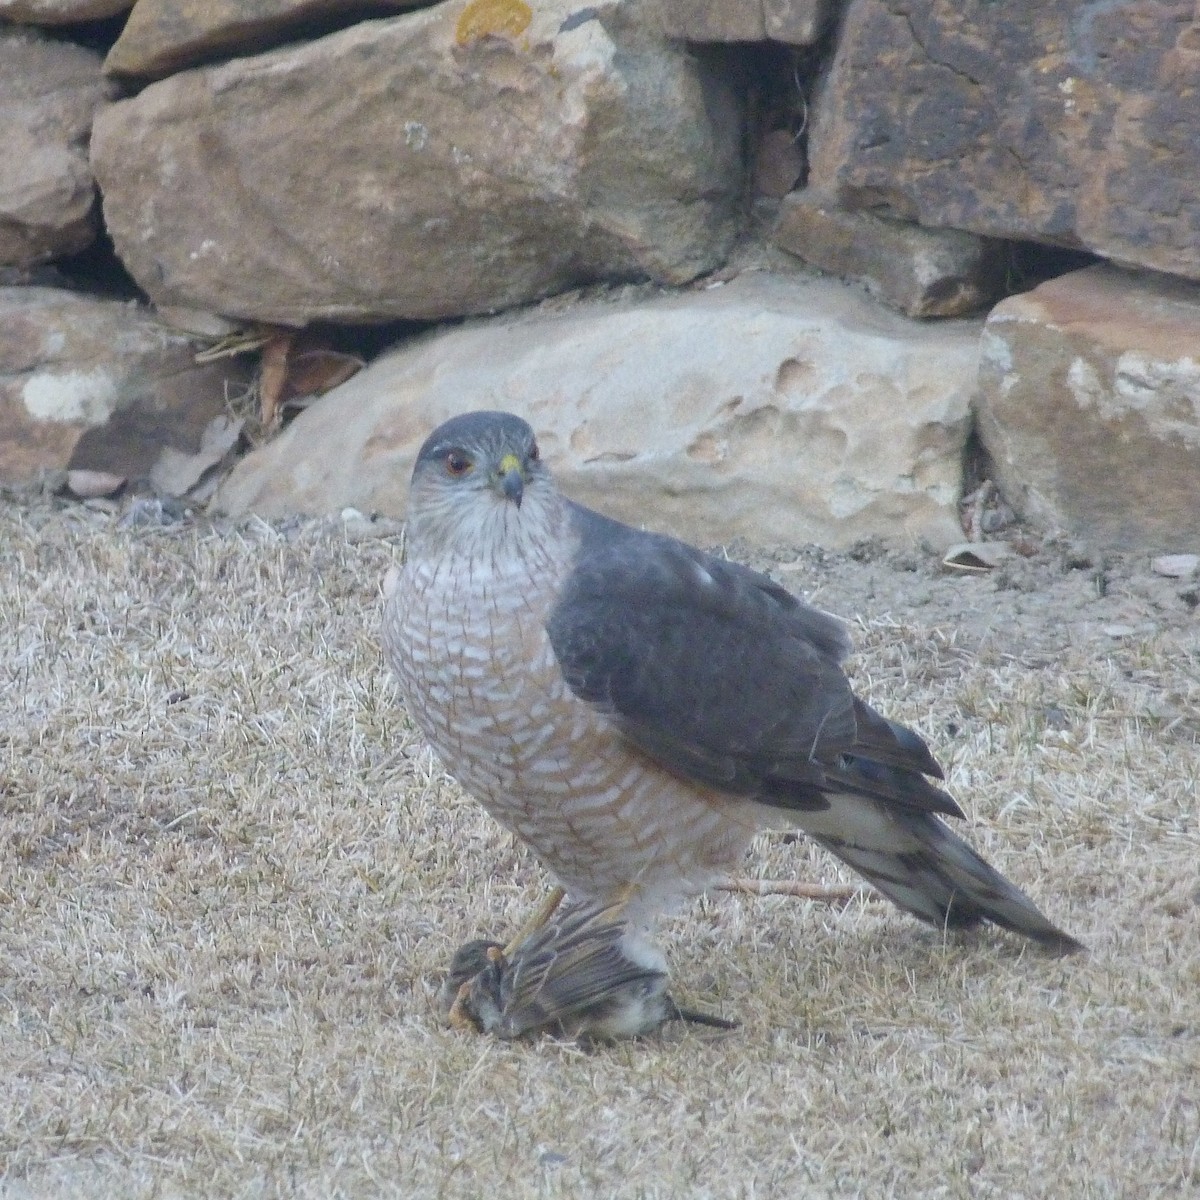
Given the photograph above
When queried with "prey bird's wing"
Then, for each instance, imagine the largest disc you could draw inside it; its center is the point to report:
(571, 966)
(725, 678)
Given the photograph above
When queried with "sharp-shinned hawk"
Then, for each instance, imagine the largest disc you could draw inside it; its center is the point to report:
(636, 709)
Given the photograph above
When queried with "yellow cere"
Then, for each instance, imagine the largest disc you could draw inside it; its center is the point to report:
(510, 462)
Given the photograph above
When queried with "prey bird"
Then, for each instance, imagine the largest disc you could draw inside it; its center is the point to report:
(584, 974)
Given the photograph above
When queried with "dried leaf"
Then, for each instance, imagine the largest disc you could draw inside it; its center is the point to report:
(273, 373)
(315, 372)
(976, 558)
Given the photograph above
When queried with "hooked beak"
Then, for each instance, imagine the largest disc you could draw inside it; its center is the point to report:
(512, 479)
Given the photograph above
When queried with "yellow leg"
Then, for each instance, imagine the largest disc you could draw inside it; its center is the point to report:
(540, 916)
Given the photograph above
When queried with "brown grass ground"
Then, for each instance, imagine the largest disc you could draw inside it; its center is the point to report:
(229, 873)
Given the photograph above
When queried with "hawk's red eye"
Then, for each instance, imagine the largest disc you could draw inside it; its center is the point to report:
(457, 463)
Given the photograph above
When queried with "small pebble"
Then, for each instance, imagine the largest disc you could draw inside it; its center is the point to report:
(89, 485)
(1177, 566)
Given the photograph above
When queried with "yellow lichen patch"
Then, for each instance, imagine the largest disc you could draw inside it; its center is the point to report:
(506, 18)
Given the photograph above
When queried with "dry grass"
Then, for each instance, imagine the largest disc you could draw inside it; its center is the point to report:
(228, 872)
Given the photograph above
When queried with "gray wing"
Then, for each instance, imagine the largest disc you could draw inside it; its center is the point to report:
(726, 678)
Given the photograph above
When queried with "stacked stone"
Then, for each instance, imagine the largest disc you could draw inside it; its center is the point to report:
(268, 165)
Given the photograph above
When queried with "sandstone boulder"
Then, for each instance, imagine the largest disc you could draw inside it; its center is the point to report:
(1082, 132)
(1089, 405)
(60, 12)
(922, 272)
(798, 22)
(49, 93)
(449, 161)
(98, 385)
(776, 408)
(163, 36)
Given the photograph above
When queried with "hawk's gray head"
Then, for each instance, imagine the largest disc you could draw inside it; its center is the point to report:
(478, 484)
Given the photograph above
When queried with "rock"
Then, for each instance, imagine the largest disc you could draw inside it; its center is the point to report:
(196, 321)
(179, 472)
(921, 272)
(164, 36)
(47, 195)
(1082, 133)
(778, 163)
(423, 167)
(776, 408)
(1089, 405)
(1177, 566)
(799, 22)
(88, 485)
(98, 386)
(60, 12)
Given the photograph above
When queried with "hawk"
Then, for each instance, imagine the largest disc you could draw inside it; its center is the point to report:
(635, 709)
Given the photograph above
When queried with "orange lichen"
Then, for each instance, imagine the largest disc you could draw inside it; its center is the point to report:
(503, 18)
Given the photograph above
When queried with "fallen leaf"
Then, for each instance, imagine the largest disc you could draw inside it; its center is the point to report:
(295, 369)
(315, 372)
(273, 374)
(976, 558)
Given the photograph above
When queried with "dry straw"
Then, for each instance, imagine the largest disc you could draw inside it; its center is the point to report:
(230, 873)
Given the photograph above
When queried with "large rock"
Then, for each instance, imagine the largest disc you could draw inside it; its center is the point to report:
(163, 36)
(434, 164)
(798, 22)
(48, 93)
(60, 12)
(98, 385)
(1082, 132)
(777, 408)
(922, 272)
(1089, 405)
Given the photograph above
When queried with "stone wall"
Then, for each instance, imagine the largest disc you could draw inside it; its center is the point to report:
(213, 213)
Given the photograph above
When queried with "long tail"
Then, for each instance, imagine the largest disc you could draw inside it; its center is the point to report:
(925, 868)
